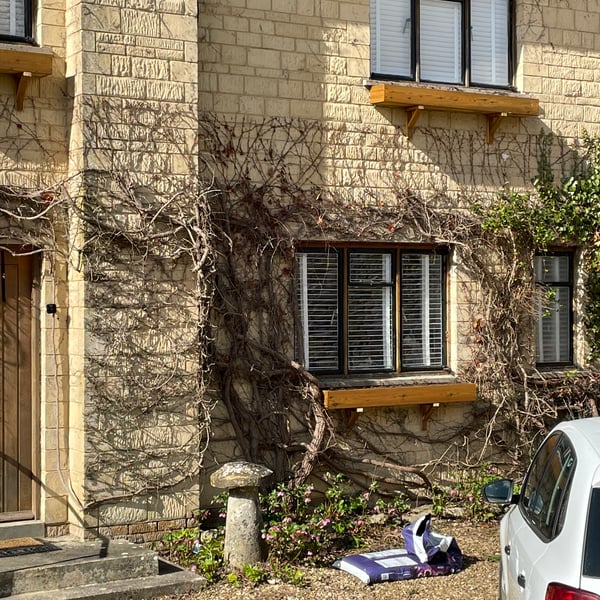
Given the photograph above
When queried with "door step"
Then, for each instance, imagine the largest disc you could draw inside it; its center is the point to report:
(68, 570)
(19, 529)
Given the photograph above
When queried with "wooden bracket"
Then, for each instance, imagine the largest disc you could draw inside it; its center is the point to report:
(493, 121)
(351, 416)
(412, 116)
(23, 80)
(427, 411)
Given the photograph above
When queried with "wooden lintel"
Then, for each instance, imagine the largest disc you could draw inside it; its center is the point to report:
(22, 82)
(462, 100)
(412, 116)
(493, 121)
(403, 395)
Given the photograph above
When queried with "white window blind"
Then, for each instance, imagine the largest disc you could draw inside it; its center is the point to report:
(422, 311)
(489, 42)
(441, 46)
(12, 18)
(318, 304)
(370, 312)
(391, 37)
(553, 339)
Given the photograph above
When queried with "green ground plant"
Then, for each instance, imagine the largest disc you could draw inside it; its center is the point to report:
(302, 527)
(466, 491)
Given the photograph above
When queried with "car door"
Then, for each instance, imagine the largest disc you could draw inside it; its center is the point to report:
(534, 532)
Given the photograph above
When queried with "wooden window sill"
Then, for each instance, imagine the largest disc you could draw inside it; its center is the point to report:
(24, 62)
(414, 98)
(427, 397)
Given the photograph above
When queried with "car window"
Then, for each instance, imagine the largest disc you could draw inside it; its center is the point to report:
(591, 553)
(546, 489)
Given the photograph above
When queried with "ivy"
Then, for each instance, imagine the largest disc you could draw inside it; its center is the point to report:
(559, 213)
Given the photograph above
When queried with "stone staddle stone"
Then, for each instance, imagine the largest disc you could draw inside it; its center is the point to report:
(243, 544)
(239, 474)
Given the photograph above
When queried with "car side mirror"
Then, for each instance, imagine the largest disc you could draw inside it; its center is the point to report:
(500, 492)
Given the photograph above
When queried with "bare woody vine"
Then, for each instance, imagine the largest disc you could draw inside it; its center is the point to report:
(190, 299)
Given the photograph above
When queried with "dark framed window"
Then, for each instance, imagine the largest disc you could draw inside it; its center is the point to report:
(545, 494)
(464, 42)
(16, 20)
(371, 309)
(554, 331)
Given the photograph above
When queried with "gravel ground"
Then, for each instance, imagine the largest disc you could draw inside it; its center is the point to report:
(477, 581)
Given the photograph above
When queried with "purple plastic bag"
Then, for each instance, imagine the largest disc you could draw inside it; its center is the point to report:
(427, 554)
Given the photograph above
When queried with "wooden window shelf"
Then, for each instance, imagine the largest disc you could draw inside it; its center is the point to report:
(427, 397)
(24, 62)
(494, 105)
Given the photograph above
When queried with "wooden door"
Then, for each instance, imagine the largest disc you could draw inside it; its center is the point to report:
(16, 408)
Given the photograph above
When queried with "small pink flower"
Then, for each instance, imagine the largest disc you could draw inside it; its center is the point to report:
(307, 500)
(453, 493)
(360, 522)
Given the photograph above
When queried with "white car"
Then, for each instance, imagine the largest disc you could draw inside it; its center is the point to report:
(550, 535)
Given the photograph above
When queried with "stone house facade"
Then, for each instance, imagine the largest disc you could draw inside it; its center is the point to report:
(114, 110)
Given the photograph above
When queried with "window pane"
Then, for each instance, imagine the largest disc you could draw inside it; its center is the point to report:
(553, 339)
(441, 44)
(591, 557)
(12, 18)
(391, 37)
(370, 312)
(318, 303)
(489, 42)
(422, 311)
(546, 490)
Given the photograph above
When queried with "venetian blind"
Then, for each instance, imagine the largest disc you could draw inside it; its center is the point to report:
(489, 42)
(370, 312)
(553, 339)
(441, 41)
(318, 304)
(391, 37)
(12, 18)
(422, 311)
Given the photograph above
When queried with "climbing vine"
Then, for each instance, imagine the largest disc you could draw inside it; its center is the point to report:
(190, 297)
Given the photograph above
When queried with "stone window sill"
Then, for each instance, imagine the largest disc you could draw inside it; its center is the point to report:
(414, 98)
(24, 62)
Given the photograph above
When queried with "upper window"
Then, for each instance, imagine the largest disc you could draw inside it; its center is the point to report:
(465, 42)
(554, 335)
(371, 310)
(15, 20)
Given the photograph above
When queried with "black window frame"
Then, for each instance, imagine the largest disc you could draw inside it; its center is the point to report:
(396, 252)
(555, 284)
(466, 80)
(27, 37)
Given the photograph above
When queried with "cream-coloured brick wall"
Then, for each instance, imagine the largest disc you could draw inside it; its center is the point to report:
(310, 60)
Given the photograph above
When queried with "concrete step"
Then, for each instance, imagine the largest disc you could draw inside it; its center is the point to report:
(34, 529)
(142, 588)
(100, 569)
(73, 563)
